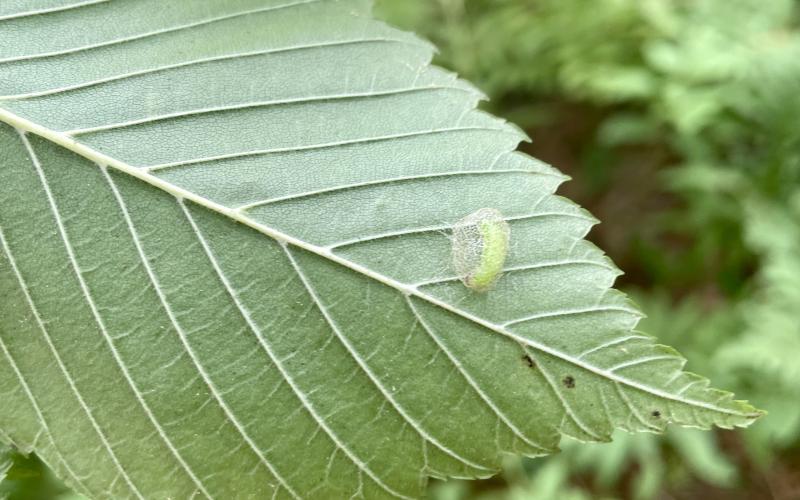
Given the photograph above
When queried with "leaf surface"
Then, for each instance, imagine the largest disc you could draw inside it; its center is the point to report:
(226, 270)
(6, 461)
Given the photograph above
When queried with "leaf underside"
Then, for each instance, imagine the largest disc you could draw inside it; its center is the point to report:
(225, 268)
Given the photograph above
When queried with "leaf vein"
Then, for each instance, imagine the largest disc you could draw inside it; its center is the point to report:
(185, 342)
(442, 227)
(37, 409)
(40, 322)
(634, 411)
(371, 376)
(611, 343)
(140, 36)
(260, 104)
(267, 347)
(29, 13)
(564, 403)
(195, 62)
(571, 312)
(640, 361)
(472, 383)
(325, 145)
(381, 182)
(527, 267)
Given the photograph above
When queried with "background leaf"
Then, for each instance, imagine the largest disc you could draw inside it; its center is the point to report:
(5, 461)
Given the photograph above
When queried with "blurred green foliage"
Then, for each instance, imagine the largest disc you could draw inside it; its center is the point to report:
(680, 123)
(27, 478)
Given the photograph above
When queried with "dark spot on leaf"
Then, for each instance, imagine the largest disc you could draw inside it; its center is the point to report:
(569, 382)
(529, 361)
(656, 414)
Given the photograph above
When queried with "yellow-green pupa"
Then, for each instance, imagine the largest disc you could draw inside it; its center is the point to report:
(479, 248)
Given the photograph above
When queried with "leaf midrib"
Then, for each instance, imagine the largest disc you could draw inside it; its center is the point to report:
(102, 159)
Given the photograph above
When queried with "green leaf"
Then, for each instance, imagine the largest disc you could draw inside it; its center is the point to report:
(6, 460)
(226, 268)
(763, 356)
